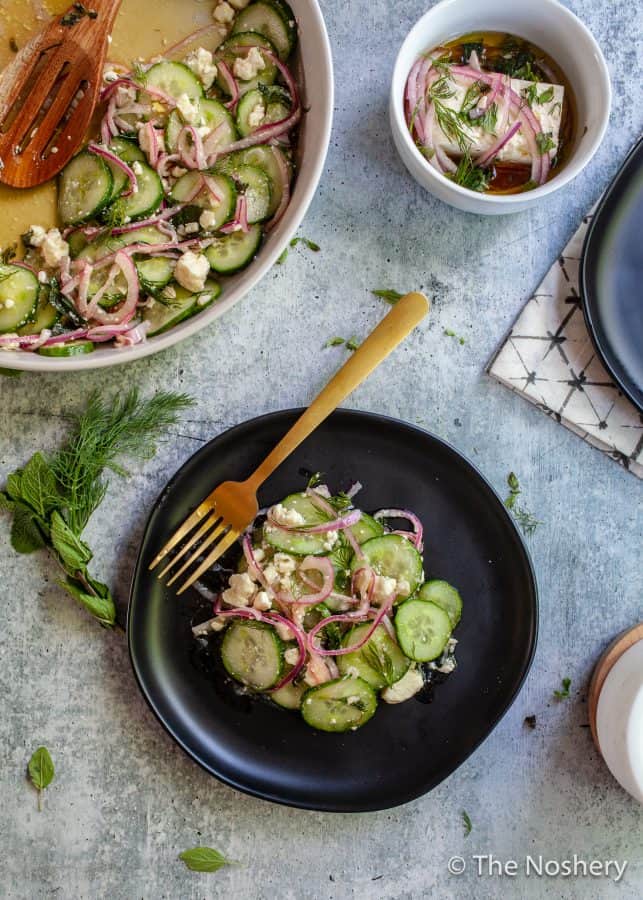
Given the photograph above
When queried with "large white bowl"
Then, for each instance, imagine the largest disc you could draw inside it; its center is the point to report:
(314, 70)
(545, 23)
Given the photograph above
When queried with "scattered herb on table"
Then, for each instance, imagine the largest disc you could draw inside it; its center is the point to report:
(204, 859)
(563, 693)
(526, 520)
(53, 497)
(311, 245)
(466, 821)
(530, 722)
(386, 294)
(450, 333)
(41, 771)
(351, 344)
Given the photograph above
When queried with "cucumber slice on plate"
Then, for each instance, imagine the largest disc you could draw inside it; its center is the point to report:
(183, 192)
(253, 654)
(234, 251)
(256, 186)
(166, 313)
(109, 243)
(261, 107)
(423, 629)
(292, 542)
(72, 348)
(154, 273)
(394, 556)
(343, 704)
(148, 196)
(128, 150)
(289, 696)
(234, 48)
(44, 316)
(214, 115)
(276, 22)
(19, 290)
(84, 188)
(445, 596)
(175, 79)
(380, 662)
(366, 528)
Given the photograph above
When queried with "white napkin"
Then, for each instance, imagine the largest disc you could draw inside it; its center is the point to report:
(549, 359)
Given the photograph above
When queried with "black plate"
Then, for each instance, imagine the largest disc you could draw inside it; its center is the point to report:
(404, 750)
(611, 278)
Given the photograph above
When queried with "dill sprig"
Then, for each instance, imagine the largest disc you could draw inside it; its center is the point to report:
(526, 520)
(104, 432)
(470, 176)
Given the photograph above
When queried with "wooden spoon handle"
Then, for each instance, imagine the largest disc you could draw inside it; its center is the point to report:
(391, 331)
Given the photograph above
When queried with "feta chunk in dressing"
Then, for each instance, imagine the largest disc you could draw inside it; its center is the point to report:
(248, 67)
(191, 271)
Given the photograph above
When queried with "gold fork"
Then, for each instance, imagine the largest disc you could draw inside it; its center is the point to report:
(231, 507)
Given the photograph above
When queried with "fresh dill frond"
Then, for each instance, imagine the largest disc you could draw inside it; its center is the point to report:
(544, 142)
(470, 176)
(471, 98)
(526, 520)
(441, 89)
(451, 125)
(466, 821)
(103, 433)
(380, 661)
(488, 121)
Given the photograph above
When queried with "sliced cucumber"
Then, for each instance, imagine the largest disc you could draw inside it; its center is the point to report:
(253, 654)
(73, 348)
(19, 289)
(128, 150)
(380, 662)
(154, 273)
(184, 188)
(165, 314)
(343, 704)
(84, 188)
(214, 116)
(228, 52)
(277, 23)
(270, 102)
(395, 557)
(255, 184)
(148, 196)
(119, 181)
(175, 79)
(445, 596)
(298, 544)
(109, 243)
(366, 528)
(234, 251)
(77, 242)
(44, 316)
(422, 629)
(290, 695)
(269, 159)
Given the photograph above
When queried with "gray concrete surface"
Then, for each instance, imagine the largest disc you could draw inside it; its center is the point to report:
(126, 800)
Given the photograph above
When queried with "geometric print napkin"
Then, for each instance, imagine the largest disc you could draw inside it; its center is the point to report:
(548, 358)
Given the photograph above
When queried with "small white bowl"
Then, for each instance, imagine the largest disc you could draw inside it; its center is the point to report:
(313, 67)
(545, 23)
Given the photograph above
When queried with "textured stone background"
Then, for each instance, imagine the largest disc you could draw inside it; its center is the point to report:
(126, 800)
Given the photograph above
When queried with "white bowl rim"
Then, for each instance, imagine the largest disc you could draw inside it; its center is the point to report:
(33, 362)
(573, 167)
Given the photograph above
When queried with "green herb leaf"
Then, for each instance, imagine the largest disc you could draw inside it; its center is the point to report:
(379, 660)
(41, 771)
(101, 607)
(466, 821)
(26, 536)
(514, 484)
(38, 485)
(544, 142)
(488, 121)
(314, 480)
(530, 93)
(471, 176)
(546, 95)
(563, 694)
(334, 342)
(352, 344)
(204, 859)
(450, 333)
(387, 294)
(282, 257)
(74, 553)
(527, 522)
(306, 242)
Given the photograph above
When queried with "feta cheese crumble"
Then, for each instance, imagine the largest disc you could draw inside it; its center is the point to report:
(201, 63)
(289, 518)
(242, 589)
(246, 68)
(408, 685)
(189, 109)
(50, 243)
(256, 116)
(191, 271)
(223, 13)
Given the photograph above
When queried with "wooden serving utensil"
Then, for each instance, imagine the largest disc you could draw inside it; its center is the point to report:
(49, 91)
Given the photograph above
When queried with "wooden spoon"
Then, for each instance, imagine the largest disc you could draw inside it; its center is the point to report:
(49, 91)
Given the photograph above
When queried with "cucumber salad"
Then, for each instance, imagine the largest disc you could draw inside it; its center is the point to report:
(193, 165)
(329, 610)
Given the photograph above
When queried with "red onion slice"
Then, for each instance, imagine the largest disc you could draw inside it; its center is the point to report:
(324, 566)
(346, 617)
(418, 530)
(497, 146)
(118, 162)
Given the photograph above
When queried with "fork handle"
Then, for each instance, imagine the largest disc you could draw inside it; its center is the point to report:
(391, 331)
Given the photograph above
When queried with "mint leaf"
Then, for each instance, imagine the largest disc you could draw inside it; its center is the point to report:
(390, 296)
(38, 485)
(14, 485)
(334, 342)
(41, 771)
(282, 257)
(26, 536)
(6, 502)
(101, 607)
(564, 693)
(74, 553)
(204, 859)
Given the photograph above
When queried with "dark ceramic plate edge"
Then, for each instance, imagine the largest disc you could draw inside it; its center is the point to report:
(460, 759)
(591, 320)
